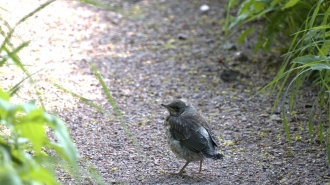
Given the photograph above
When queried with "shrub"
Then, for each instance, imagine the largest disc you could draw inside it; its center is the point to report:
(305, 24)
(26, 147)
(280, 18)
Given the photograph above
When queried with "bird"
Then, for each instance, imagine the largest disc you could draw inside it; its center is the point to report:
(188, 134)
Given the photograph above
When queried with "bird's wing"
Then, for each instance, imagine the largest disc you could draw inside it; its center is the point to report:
(189, 133)
(202, 122)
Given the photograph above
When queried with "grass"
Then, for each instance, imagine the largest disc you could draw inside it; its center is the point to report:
(305, 24)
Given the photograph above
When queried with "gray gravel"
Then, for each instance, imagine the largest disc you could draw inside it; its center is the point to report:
(159, 51)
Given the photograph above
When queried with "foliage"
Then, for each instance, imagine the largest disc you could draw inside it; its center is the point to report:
(33, 143)
(305, 23)
(280, 18)
(12, 52)
(308, 59)
(25, 147)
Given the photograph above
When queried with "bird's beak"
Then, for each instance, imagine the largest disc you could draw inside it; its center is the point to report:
(169, 109)
(166, 106)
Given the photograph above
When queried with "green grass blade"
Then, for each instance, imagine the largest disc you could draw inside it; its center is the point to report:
(11, 31)
(100, 4)
(315, 13)
(34, 11)
(310, 123)
(321, 132)
(18, 62)
(95, 175)
(85, 100)
(230, 2)
(327, 143)
(328, 132)
(16, 87)
(114, 106)
(286, 126)
(13, 54)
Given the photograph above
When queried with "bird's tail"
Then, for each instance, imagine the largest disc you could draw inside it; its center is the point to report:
(213, 156)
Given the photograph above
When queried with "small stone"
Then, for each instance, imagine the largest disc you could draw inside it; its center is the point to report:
(229, 75)
(209, 41)
(229, 46)
(240, 56)
(274, 117)
(277, 163)
(263, 115)
(234, 110)
(204, 8)
(116, 19)
(182, 36)
(218, 99)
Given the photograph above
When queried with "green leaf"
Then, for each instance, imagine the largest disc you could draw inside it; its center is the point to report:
(290, 4)
(245, 33)
(29, 107)
(306, 59)
(31, 127)
(7, 155)
(320, 67)
(243, 12)
(43, 175)
(325, 49)
(274, 2)
(245, 7)
(4, 96)
(9, 178)
(5, 109)
(258, 6)
(62, 134)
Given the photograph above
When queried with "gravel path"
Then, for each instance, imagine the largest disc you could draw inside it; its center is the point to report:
(160, 51)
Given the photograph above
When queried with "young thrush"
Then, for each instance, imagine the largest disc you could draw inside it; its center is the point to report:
(188, 134)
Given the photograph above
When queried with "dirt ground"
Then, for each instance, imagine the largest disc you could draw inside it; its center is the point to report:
(151, 53)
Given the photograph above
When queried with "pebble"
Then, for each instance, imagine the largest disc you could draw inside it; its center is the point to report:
(182, 36)
(240, 56)
(274, 117)
(204, 8)
(229, 46)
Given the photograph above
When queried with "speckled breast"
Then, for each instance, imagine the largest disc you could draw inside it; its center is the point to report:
(179, 150)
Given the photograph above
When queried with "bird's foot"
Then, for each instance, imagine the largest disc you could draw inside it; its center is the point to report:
(180, 173)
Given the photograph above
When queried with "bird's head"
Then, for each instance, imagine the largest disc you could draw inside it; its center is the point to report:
(176, 107)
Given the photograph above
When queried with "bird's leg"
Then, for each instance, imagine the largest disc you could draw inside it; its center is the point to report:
(182, 169)
(200, 166)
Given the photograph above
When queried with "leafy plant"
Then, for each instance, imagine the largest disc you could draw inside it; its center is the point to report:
(11, 52)
(307, 59)
(305, 24)
(280, 19)
(33, 143)
(27, 152)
